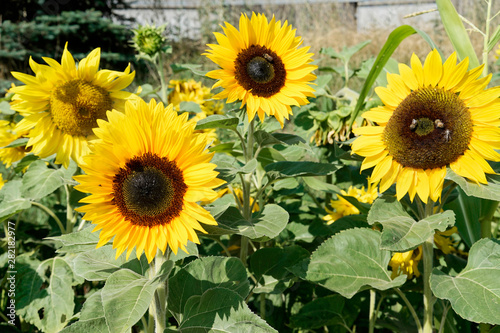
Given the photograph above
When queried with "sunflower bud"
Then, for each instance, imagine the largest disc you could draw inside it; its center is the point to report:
(149, 40)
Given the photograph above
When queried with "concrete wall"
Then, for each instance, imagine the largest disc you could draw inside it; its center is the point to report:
(183, 19)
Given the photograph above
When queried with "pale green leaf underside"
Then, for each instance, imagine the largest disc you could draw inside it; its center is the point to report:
(204, 274)
(221, 310)
(400, 231)
(121, 303)
(475, 292)
(55, 300)
(349, 262)
(490, 191)
(266, 224)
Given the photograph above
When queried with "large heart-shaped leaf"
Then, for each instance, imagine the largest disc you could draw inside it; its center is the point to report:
(270, 267)
(44, 293)
(76, 242)
(40, 181)
(400, 231)
(120, 304)
(475, 292)
(201, 275)
(349, 262)
(99, 264)
(267, 223)
(220, 310)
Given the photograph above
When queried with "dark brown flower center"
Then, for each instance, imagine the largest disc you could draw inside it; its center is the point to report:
(149, 190)
(429, 129)
(260, 70)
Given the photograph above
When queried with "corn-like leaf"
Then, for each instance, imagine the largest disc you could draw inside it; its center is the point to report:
(456, 32)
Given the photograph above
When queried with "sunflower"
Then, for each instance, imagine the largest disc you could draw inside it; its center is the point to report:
(263, 66)
(7, 136)
(145, 175)
(341, 207)
(62, 102)
(434, 116)
(406, 263)
(194, 91)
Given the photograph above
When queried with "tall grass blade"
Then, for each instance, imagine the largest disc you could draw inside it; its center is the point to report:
(456, 32)
(393, 41)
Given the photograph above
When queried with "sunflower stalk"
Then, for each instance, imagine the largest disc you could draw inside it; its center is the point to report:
(160, 297)
(70, 218)
(163, 82)
(486, 38)
(372, 313)
(428, 256)
(486, 220)
(247, 188)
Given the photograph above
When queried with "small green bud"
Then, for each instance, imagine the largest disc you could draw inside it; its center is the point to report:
(149, 40)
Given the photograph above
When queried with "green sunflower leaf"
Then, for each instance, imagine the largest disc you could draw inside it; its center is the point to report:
(6, 109)
(490, 191)
(194, 68)
(44, 293)
(270, 155)
(220, 310)
(120, 304)
(99, 264)
(401, 232)
(287, 169)
(76, 242)
(269, 266)
(40, 181)
(201, 275)
(188, 106)
(11, 201)
(349, 262)
(217, 121)
(456, 32)
(126, 296)
(92, 317)
(475, 292)
(320, 185)
(265, 224)
(17, 143)
(323, 311)
(25, 162)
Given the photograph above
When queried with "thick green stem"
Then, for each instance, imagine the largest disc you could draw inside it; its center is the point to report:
(486, 38)
(486, 233)
(247, 188)
(159, 68)
(429, 299)
(373, 297)
(69, 211)
(160, 299)
(486, 219)
(262, 299)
